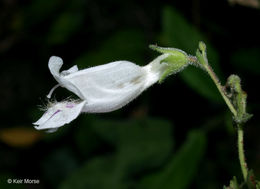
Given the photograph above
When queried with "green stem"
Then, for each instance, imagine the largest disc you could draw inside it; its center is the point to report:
(241, 153)
(240, 140)
(220, 88)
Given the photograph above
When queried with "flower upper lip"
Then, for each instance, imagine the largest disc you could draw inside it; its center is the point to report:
(55, 64)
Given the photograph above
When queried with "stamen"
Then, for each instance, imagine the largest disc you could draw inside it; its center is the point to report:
(50, 93)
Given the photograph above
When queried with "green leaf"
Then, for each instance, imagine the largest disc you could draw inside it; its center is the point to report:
(181, 169)
(117, 47)
(178, 33)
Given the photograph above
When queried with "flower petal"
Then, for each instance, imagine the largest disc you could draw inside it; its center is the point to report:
(59, 114)
(55, 64)
(73, 69)
(155, 69)
(110, 86)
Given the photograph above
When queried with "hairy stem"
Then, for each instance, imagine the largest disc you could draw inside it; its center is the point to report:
(203, 61)
(240, 140)
(241, 153)
(220, 89)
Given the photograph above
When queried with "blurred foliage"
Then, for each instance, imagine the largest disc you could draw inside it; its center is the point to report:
(180, 171)
(63, 27)
(19, 136)
(129, 148)
(139, 145)
(179, 33)
(247, 60)
(64, 162)
(116, 47)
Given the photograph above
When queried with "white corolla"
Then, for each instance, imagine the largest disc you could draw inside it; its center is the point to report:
(100, 89)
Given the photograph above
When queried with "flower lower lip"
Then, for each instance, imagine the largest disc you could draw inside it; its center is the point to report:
(69, 106)
(55, 113)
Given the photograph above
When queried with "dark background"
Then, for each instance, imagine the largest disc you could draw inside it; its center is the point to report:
(178, 134)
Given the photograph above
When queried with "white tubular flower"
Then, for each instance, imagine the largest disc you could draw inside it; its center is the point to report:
(101, 89)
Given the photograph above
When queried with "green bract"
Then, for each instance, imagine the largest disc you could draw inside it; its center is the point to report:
(177, 60)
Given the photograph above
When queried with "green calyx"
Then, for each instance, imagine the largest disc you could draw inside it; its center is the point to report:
(177, 60)
(238, 97)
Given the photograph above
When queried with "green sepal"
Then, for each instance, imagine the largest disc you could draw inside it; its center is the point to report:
(233, 184)
(177, 60)
(168, 50)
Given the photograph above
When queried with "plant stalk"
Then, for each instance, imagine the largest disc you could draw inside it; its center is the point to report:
(241, 152)
(220, 89)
